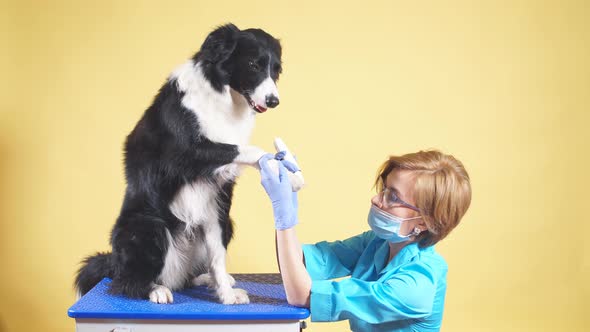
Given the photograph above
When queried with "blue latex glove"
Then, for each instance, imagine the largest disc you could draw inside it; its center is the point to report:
(292, 168)
(278, 188)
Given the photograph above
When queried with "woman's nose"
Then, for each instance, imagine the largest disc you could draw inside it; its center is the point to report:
(376, 200)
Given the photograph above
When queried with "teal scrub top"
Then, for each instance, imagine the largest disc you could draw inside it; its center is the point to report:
(405, 294)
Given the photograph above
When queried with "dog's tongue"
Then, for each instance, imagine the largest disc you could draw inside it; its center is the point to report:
(260, 109)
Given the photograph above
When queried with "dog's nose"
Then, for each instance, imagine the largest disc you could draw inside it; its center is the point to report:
(272, 101)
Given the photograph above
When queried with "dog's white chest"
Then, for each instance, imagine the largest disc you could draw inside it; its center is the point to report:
(224, 126)
(196, 203)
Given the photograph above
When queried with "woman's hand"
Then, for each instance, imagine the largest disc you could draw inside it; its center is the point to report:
(278, 188)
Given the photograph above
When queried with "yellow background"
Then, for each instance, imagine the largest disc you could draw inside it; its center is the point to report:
(502, 85)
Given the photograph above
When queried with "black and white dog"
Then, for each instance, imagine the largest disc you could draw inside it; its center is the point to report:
(181, 162)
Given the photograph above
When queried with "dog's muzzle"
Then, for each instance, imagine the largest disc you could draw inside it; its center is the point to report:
(271, 102)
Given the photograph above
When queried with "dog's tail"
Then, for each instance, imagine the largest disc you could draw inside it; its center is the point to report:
(93, 270)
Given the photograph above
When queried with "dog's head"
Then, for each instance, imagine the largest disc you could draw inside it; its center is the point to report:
(249, 61)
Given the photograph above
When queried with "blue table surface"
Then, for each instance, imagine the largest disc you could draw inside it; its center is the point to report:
(266, 293)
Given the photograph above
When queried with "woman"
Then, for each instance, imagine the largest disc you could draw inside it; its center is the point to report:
(397, 280)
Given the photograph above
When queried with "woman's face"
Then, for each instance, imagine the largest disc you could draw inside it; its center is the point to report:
(402, 183)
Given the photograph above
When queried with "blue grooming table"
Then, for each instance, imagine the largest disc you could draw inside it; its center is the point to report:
(193, 309)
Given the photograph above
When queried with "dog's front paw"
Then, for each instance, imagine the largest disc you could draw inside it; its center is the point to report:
(273, 164)
(249, 155)
(233, 296)
(161, 294)
(296, 180)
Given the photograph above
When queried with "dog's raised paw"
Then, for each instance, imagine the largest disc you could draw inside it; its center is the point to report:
(296, 180)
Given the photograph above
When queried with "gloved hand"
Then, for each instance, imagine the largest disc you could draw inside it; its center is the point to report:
(278, 188)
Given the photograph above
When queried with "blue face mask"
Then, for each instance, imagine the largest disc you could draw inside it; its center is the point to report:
(387, 226)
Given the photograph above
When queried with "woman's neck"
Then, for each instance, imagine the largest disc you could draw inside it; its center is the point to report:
(395, 248)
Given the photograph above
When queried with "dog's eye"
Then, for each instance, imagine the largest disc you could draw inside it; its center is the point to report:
(254, 65)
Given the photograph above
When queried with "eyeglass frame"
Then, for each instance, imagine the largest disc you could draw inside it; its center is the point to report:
(396, 199)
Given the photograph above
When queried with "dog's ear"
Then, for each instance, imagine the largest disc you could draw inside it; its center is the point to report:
(215, 51)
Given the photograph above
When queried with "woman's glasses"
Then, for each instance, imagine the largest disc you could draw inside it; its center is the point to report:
(389, 199)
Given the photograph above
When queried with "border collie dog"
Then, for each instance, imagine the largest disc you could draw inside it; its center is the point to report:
(181, 162)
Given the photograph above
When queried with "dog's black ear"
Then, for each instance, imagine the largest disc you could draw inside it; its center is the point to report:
(215, 51)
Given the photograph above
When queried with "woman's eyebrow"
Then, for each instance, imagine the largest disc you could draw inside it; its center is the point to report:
(397, 193)
(394, 189)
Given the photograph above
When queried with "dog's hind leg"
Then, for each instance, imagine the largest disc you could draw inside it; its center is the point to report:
(201, 269)
(139, 247)
(205, 279)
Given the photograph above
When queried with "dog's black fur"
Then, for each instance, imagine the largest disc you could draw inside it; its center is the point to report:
(168, 150)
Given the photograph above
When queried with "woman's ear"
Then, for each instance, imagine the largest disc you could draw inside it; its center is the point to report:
(422, 225)
(215, 51)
